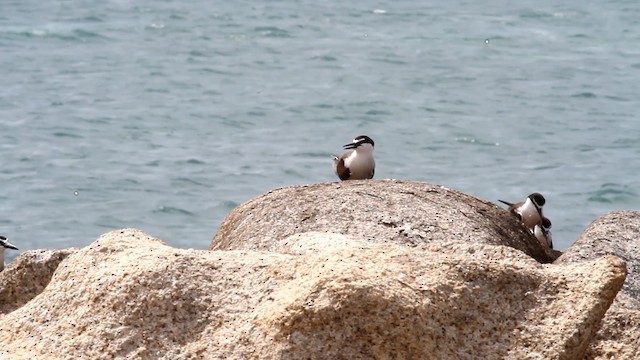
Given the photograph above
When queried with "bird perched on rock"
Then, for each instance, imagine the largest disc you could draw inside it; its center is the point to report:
(358, 162)
(4, 244)
(528, 211)
(543, 232)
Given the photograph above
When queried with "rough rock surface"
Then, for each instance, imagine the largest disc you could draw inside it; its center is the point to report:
(27, 275)
(322, 296)
(616, 233)
(404, 212)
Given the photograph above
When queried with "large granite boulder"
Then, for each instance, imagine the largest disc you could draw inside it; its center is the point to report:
(27, 275)
(616, 233)
(321, 295)
(403, 212)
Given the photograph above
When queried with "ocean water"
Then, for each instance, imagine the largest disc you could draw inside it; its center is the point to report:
(165, 115)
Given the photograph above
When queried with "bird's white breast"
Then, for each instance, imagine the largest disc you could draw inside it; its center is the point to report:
(360, 162)
(529, 213)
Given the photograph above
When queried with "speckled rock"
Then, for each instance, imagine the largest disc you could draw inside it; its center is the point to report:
(616, 233)
(322, 295)
(403, 212)
(27, 275)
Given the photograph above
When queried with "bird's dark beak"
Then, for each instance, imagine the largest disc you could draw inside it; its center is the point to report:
(352, 145)
(9, 245)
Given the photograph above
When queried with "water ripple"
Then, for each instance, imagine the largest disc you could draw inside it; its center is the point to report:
(172, 210)
(271, 31)
(613, 193)
(585, 95)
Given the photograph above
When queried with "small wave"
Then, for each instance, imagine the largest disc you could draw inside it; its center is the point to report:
(215, 71)
(535, 14)
(190, 181)
(92, 19)
(61, 134)
(271, 31)
(390, 61)
(82, 34)
(228, 205)
(367, 103)
(546, 167)
(257, 113)
(374, 112)
(110, 222)
(293, 173)
(123, 182)
(237, 124)
(584, 95)
(324, 106)
(157, 90)
(87, 19)
(472, 140)
(616, 98)
(327, 58)
(195, 162)
(211, 93)
(612, 193)
(579, 36)
(172, 210)
(197, 53)
(428, 109)
(74, 35)
(156, 26)
(295, 110)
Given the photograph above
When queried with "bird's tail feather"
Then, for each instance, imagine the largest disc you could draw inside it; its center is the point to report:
(506, 202)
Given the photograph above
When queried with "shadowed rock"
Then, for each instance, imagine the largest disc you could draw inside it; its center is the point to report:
(403, 212)
(27, 275)
(322, 295)
(616, 233)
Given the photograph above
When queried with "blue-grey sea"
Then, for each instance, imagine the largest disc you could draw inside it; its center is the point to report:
(165, 115)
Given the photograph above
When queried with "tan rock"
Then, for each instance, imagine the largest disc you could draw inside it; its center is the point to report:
(616, 233)
(27, 275)
(617, 337)
(128, 295)
(403, 212)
